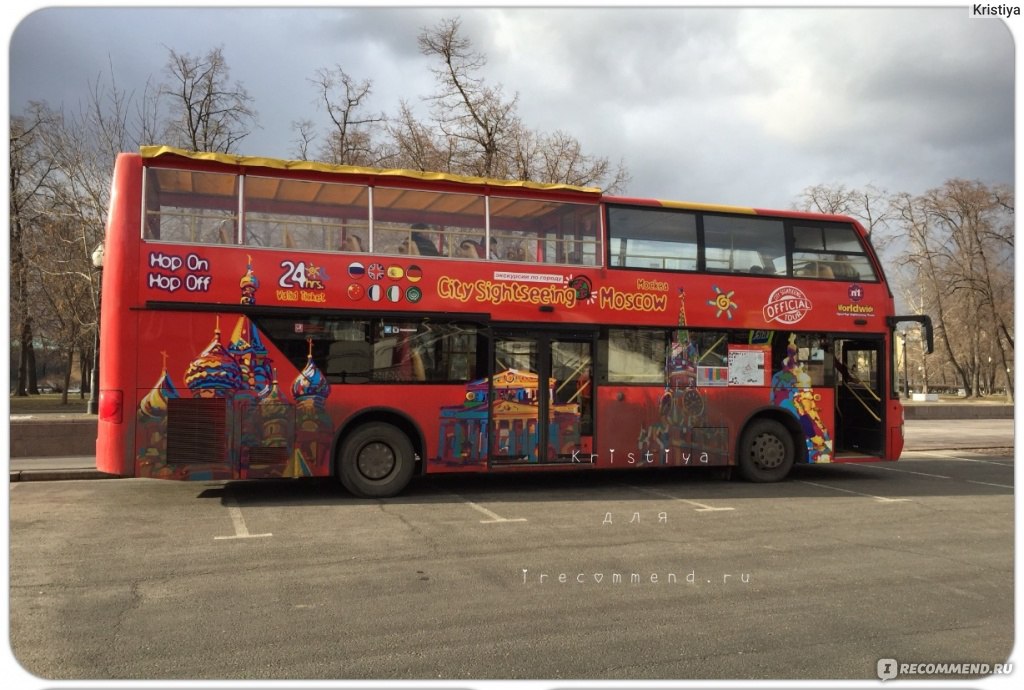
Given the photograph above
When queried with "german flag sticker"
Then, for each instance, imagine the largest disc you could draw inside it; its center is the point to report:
(414, 273)
(395, 272)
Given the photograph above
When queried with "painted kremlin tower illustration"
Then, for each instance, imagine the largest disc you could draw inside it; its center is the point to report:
(313, 426)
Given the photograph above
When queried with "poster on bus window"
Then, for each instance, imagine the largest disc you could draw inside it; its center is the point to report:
(748, 365)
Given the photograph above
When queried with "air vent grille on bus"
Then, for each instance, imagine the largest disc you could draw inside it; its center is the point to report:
(196, 430)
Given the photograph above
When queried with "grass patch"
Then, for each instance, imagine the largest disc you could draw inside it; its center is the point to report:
(48, 403)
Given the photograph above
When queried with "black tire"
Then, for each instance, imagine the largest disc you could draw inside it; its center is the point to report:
(376, 460)
(766, 451)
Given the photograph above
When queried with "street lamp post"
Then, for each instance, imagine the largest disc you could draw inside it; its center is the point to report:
(92, 407)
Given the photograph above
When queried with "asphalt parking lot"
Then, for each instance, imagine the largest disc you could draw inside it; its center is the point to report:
(642, 575)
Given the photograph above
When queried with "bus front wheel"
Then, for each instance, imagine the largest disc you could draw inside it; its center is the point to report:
(766, 451)
(376, 461)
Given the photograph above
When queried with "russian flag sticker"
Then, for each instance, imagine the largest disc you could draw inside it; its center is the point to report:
(356, 270)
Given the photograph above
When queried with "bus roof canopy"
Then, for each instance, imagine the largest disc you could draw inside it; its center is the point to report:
(151, 152)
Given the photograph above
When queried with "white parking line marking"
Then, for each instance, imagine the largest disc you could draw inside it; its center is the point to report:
(701, 507)
(953, 457)
(1001, 486)
(494, 516)
(880, 499)
(940, 476)
(241, 531)
(923, 474)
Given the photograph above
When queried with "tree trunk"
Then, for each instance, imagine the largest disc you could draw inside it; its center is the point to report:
(67, 375)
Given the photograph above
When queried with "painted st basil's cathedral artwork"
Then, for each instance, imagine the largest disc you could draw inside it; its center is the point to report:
(179, 434)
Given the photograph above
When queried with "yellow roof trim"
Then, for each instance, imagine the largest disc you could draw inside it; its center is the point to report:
(718, 208)
(315, 166)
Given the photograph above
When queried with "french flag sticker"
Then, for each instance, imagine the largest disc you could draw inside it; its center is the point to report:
(375, 293)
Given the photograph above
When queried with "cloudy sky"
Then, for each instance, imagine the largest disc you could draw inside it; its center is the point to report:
(744, 106)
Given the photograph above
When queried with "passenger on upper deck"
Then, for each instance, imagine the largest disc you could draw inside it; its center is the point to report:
(420, 243)
(352, 243)
(470, 249)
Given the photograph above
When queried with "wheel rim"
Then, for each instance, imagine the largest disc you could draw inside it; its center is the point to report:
(768, 451)
(376, 460)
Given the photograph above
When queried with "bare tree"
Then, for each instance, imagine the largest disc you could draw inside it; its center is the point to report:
(305, 136)
(351, 139)
(478, 129)
(870, 205)
(415, 146)
(560, 158)
(31, 173)
(206, 111)
(64, 295)
(473, 115)
(961, 259)
(61, 170)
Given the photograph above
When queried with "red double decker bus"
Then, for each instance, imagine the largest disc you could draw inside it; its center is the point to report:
(270, 318)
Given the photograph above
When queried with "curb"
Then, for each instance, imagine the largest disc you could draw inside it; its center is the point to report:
(57, 475)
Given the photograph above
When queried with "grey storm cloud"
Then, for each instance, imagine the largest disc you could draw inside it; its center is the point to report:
(727, 105)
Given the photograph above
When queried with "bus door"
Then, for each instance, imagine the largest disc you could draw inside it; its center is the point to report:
(541, 397)
(859, 396)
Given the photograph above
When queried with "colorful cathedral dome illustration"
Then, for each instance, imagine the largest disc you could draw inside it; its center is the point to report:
(214, 372)
(310, 383)
(153, 407)
(272, 402)
(247, 349)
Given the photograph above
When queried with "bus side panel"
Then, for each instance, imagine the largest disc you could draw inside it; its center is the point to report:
(896, 417)
(655, 427)
(700, 427)
(118, 332)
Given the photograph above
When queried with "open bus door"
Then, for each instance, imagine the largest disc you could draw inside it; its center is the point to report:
(860, 399)
(864, 372)
(541, 397)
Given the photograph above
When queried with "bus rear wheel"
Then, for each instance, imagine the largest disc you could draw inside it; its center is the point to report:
(766, 451)
(376, 460)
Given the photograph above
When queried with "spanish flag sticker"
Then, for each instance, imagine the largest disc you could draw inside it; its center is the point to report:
(395, 272)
